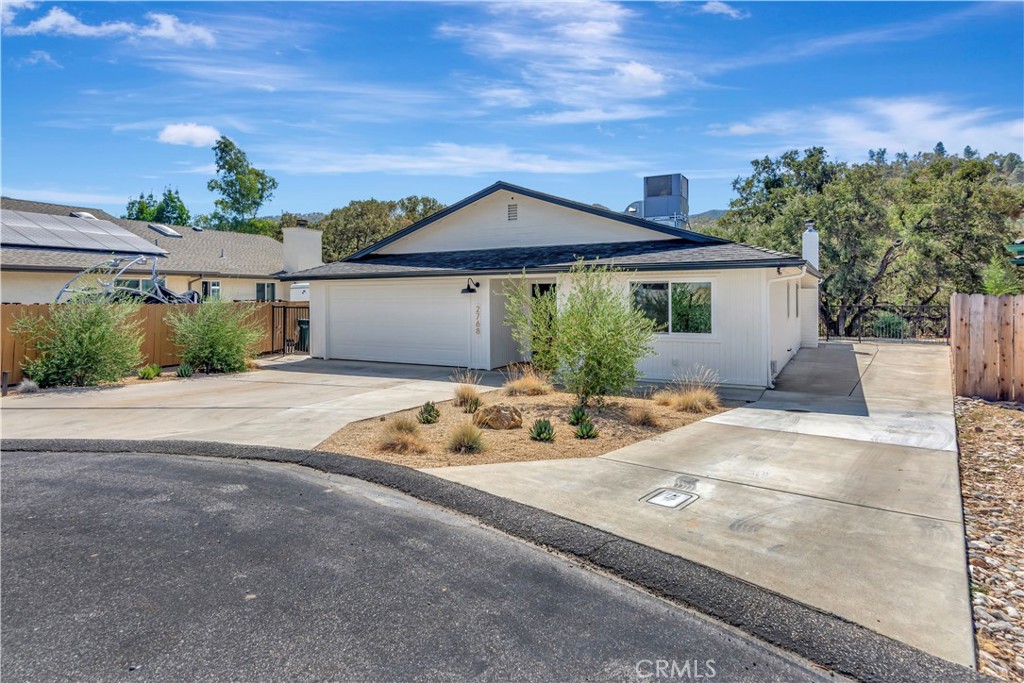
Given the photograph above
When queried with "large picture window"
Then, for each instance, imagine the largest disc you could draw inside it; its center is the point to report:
(676, 307)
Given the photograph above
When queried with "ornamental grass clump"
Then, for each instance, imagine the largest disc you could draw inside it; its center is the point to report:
(465, 392)
(82, 343)
(528, 381)
(401, 436)
(216, 335)
(472, 405)
(467, 438)
(642, 416)
(697, 400)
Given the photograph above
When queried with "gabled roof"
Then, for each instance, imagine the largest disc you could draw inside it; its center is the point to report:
(211, 253)
(551, 199)
(647, 255)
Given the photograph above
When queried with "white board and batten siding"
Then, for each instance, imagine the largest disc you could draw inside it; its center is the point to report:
(486, 224)
(736, 347)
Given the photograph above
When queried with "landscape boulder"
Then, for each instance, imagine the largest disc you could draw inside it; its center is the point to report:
(498, 417)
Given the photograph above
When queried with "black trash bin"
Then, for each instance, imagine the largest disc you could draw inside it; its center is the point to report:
(303, 344)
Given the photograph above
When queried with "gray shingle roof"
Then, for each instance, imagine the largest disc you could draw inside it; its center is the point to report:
(673, 254)
(209, 252)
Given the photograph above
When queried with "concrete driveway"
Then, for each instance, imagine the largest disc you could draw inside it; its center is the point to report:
(839, 489)
(289, 402)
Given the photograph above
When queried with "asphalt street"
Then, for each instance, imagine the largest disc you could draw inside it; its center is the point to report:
(136, 567)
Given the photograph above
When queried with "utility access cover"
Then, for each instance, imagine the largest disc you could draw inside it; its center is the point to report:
(668, 498)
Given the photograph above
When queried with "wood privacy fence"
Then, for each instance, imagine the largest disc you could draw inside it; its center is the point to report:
(987, 343)
(157, 346)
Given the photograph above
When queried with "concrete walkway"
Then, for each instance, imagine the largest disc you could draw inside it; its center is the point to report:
(839, 489)
(292, 402)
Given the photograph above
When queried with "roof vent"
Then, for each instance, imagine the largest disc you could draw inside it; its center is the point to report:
(513, 212)
(164, 230)
(196, 228)
(83, 214)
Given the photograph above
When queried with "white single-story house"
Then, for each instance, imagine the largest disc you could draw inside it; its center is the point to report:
(228, 265)
(433, 292)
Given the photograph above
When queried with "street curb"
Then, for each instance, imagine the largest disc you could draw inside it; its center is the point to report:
(835, 644)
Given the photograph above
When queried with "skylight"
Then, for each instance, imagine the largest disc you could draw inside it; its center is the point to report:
(83, 214)
(164, 230)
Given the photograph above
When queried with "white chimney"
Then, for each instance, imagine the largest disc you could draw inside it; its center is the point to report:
(810, 244)
(303, 249)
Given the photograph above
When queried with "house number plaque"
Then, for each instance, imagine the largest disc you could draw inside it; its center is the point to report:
(477, 324)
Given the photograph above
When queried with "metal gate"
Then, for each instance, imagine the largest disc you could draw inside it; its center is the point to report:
(896, 323)
(290, 328)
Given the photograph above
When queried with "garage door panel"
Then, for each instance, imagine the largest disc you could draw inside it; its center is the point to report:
(408, 323)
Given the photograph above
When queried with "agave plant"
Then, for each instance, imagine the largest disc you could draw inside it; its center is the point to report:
(586, 430)
(542, 431)
(578, 416)
(184, 370)
(429, 414)
(151, 371)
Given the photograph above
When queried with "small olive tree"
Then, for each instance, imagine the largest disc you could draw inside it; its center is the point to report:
(216, 335)
(590, 335)
(84, 342)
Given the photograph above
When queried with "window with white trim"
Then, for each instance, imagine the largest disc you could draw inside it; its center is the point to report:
(266, 291)
(210, 289)
(675, 307)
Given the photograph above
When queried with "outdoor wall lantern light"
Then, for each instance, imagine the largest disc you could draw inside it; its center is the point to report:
(470, 287)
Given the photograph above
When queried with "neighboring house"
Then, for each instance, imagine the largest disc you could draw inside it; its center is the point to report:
(231, 265)
(433, 292)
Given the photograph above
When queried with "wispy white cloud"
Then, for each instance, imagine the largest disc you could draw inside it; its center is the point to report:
(10, 9)
(442, 158)
(36, 58)
(912, 124)
(60, 22)
(192, 134)
(723, 8)
(62, 196)
(564, 57)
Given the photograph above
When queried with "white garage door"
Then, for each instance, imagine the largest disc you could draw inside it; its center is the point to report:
(409, 322)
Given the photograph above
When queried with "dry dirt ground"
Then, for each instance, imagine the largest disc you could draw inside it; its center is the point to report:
(991, 438)
(511, 445)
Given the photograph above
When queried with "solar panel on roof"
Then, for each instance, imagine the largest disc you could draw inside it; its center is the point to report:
(67, 233)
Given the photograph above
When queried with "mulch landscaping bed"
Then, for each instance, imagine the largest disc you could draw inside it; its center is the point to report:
(991, 437)
(513, 445)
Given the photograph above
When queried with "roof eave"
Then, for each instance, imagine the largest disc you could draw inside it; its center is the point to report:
(561, 268)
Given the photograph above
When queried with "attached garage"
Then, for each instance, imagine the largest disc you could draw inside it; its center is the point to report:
(421, 321)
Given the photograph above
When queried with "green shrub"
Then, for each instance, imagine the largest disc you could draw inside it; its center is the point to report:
(586, 430)
(184, 370)
(151, 371)
(578, 416)
(542, 431)
(216, 335)
(890, 326)
(472, 405)
(82, 343)
(591, 334)
(429, 414)
(467, 438)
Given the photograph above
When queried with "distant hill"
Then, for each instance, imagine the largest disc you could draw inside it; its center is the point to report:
(704, 220)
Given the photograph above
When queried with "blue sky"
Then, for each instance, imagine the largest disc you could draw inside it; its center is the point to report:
(343, 101)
